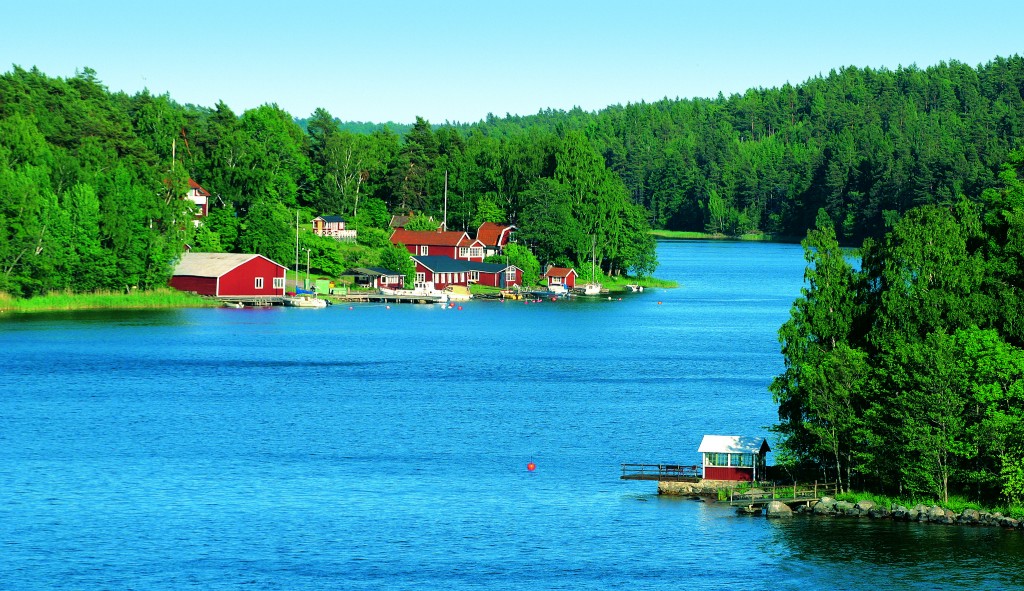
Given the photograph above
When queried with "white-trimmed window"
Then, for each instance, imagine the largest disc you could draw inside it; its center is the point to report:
(259, 283)
(474, 276)
(510, 274)
(462, 277)
(278, 282)
(556, 280)
(476, 252)
(421, 278)
(424, 249)
(463, 252)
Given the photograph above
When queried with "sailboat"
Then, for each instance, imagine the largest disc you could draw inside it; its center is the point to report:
(593, 287)
(303, 298)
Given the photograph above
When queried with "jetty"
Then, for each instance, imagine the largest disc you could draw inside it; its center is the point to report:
(757, 496)
(662, 472)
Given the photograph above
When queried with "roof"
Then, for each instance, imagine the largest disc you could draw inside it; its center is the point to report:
(399, 221)
(559, 272)
(330, 218)
(370, 271)
(194, 185)
(490, 233)
(442, 264)
(212, 264)
(733, 444)
(429, 238)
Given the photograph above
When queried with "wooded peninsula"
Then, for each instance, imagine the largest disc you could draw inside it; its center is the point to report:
(904, 369)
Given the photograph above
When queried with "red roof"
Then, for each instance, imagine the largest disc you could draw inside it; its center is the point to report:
(490, 233)
(559, 272)
(194, 185)
(410, 237)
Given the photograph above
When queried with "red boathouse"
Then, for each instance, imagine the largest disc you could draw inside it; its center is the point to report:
(228, 275)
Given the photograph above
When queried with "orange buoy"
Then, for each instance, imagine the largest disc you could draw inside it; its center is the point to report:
(460, 307)
(531, 467)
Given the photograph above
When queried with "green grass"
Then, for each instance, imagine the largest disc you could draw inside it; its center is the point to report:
(159, 298)
(679, 235)
(955, 504)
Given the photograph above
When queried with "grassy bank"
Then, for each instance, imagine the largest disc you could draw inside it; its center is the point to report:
(955, 504)
(752, 237)
(160, 298)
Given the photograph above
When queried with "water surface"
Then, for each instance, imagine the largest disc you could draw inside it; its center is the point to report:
(386, 448)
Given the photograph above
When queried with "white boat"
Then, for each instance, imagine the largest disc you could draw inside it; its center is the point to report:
(634, 287)
(591, 289)
(304, 301)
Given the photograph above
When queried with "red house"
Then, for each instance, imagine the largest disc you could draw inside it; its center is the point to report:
(728, 457)
(454, 245)
(560, 278)
(494, 237)
(443, 271)
(228, 275)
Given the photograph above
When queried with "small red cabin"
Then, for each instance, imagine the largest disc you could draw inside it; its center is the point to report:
(559, 278)
(729, 457)
(228, 275)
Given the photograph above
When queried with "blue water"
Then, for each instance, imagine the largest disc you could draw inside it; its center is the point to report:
(386, 447)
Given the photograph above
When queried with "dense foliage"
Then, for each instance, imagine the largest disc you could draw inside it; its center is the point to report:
(91, 180)
(906, 373)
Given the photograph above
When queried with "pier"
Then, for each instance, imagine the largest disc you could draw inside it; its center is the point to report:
(788, 494)
(661, 472)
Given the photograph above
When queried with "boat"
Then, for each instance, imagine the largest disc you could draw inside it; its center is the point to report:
(592, 288)
(234, 304)
(304, 300)
(457, 293)
(634, 287)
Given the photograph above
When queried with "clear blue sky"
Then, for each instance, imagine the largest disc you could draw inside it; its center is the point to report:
(381, 60)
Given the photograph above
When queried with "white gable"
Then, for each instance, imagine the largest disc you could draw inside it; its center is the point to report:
(731, 444)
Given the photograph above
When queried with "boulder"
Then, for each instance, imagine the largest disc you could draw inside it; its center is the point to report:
(969, 517)
(748, 510)
(778, 509)
(845, 508)
(824, 508)
(901, 513)
(878, 512)
(936, 514)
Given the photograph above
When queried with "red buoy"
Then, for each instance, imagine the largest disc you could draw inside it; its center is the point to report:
(531, 467)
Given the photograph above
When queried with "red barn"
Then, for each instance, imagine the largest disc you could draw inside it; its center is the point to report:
(227, 275)
(454, 245)
(728, 457)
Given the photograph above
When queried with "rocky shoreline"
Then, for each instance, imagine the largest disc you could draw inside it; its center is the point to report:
(830, 507)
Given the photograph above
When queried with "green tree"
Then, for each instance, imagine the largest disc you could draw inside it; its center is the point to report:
(397, 258)
(520, 256)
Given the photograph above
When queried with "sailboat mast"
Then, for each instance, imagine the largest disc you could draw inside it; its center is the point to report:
(445, 222)
(296, 248)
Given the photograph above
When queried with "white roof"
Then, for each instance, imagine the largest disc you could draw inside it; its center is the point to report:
(210, 264)
(732, 444)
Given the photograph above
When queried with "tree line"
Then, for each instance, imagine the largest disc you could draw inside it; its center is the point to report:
(91, 179)
(904, 366)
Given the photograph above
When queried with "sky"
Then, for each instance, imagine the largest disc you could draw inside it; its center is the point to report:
(458, 61)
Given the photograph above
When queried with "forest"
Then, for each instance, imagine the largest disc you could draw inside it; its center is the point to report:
(904, 367)
(91, 179)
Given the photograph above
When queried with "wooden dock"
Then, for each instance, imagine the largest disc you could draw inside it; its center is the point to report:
(789, 494)
(661, 472)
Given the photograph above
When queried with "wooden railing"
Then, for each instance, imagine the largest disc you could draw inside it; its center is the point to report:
(666, 472)
(787, 493)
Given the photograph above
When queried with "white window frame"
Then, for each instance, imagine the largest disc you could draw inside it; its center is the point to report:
(463, 252)
(474, 276)
(259, 283)
(421, 277)
(510, 274)
(278, 282)
(476, 252)
(424, 249)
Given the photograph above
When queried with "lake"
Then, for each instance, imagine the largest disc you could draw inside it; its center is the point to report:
(385, 447)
